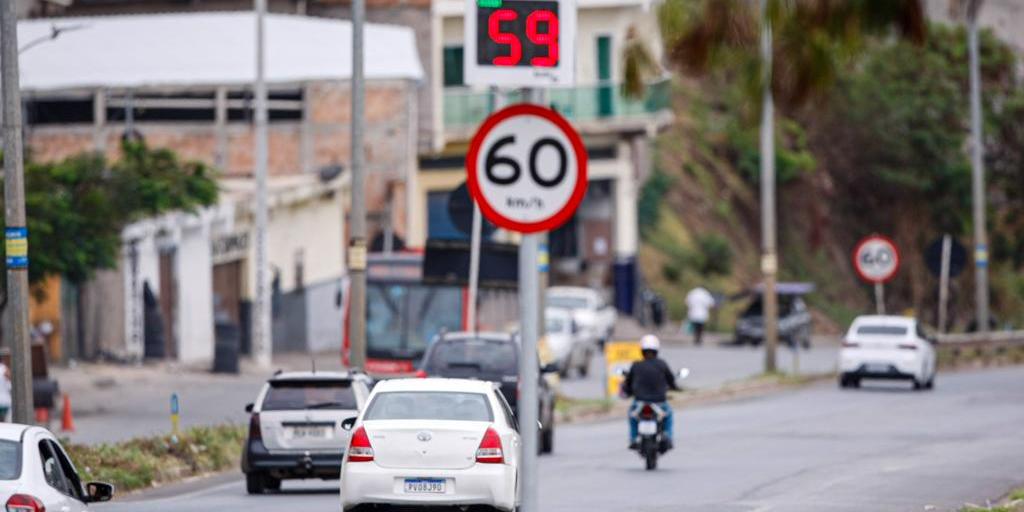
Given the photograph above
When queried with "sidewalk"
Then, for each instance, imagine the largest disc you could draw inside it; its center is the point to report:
(113, 402)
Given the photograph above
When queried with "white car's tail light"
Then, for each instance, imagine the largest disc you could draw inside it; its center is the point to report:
(850, 344)
(255, 432)
(360, 450)
(907, 346)
(24, 503)
(490, 451)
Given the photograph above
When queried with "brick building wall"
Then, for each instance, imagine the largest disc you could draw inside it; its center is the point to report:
(318, 137)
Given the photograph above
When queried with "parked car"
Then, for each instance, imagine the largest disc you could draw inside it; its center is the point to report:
(570, 347)
(887, 347)
(491, 357)
(795, 323)
(37, 475)
(593, 315)
(433, 442)
(295, 427)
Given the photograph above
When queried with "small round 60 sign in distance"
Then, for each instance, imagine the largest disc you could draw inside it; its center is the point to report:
(876, 259)
(527, 168)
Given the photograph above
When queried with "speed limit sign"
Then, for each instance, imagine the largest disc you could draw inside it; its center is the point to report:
(527, 168)
(876, 259)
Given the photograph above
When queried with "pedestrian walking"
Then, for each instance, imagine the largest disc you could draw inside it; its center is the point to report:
(698, 309)
(5, 392)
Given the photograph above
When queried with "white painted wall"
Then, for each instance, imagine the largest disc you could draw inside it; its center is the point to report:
(194, 270)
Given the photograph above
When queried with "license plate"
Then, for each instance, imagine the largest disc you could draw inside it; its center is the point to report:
(424, 486)
(648, 428)
(878, 368)
(309, 432)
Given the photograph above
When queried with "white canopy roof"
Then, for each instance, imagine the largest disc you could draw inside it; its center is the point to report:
(163, 50)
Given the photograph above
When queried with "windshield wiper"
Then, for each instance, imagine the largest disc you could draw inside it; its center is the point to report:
(325, 405)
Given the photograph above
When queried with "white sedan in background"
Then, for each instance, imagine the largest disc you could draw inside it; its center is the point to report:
(432, 442)
(887, 347)
(593, 315)
(570, 348)
(36, 475)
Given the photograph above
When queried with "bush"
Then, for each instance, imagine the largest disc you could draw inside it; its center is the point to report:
(715, 254)
(143, 462)
(651, 195)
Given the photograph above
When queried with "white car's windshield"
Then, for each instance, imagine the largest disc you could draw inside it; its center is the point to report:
(429, 405)
(557, 325)
(567, 302)
(882, 330)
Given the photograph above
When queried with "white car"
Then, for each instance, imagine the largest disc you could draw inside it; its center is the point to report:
(432, 442)
(295, 427)
(37, 475)
(887, 347)
(593, 315)
(569, 346)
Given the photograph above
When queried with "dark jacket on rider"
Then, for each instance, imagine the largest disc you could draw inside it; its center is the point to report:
(649, 380)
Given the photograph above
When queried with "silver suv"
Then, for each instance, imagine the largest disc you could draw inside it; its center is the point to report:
(295, 427)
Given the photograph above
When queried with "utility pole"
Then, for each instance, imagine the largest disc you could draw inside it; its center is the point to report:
(769, 258)
(262, 334)
(357, 214)
(978, 174)
(16, 333)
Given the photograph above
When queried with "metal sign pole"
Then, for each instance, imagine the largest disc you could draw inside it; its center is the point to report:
(880, 298)
(474, 269)
(529, 369)
(947, 248)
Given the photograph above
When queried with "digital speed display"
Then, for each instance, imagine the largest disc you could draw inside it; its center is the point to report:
(517, 33)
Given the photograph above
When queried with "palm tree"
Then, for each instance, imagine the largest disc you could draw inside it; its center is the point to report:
(812, 39)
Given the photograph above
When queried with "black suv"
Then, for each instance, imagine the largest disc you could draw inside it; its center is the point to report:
(493, 357)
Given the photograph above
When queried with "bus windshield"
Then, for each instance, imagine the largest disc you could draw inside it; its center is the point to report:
(402, 318)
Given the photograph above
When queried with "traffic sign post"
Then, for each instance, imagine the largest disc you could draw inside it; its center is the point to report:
(527, 171)
(876, 260)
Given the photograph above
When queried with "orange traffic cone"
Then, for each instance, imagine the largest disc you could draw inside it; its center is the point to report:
(67, 423)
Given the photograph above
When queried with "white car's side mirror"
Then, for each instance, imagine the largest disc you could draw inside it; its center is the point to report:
(683, 373)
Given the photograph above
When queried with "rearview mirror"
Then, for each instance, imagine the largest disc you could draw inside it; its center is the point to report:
(348, 423)
(683, 373)
(99, 491)
(249, 406)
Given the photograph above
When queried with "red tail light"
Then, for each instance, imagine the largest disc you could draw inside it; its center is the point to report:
(255, 433)
(24, 503)
(490, 451)
(907, 346)
(647, 411)
(360, 450)
(850, 344)
(421, 374)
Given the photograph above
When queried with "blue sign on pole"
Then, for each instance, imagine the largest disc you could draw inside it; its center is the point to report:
(174, 404)
(16, 245)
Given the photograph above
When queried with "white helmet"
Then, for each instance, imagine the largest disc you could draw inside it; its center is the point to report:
(650, 342)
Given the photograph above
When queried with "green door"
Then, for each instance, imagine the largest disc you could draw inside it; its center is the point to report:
(605, 88)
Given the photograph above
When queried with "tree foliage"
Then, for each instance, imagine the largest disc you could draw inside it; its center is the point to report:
(813, 40)
(895, 131)
(77, 207)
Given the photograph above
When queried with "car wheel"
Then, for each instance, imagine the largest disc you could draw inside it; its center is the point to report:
(844, 381)
(547, 441)
(271, 484)
(918, 385)
(254, 483)
(584, 369)
(930, 385)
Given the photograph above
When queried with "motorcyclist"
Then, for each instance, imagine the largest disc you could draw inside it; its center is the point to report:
(649, 380)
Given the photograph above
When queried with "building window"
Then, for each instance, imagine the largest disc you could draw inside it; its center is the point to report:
(58, 111)
(439, 222)
(453, 67)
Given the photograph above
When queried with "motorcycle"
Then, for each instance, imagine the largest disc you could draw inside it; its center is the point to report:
(651, 428)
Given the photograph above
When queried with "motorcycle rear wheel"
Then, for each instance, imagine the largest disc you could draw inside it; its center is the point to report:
(649, 450)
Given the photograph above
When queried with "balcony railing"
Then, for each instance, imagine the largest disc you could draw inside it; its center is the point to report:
(464, 108)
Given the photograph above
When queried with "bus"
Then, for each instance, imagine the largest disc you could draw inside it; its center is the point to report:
(405, 312)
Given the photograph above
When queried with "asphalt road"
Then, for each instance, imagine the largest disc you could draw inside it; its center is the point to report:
(883, 448)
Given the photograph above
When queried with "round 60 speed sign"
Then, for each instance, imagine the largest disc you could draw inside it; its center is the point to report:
(527, 168)
(876, 259)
